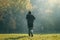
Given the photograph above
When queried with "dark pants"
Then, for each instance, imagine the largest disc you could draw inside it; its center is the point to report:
(30, 31)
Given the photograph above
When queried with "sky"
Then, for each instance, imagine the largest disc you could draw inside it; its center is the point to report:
(13, 16)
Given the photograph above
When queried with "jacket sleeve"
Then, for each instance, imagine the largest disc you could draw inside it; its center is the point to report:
(26, 16)
(33, 17)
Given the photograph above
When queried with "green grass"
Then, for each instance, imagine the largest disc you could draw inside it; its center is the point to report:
(26, 37)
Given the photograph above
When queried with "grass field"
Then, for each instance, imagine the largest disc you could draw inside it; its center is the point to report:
(26, 37)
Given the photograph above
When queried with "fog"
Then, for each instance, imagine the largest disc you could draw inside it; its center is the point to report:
(13, 16)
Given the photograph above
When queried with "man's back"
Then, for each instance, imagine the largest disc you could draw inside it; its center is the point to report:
(30, 18)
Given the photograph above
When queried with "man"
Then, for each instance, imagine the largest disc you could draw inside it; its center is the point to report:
(30, 19)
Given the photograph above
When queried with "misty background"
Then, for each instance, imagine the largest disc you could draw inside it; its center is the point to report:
(13, 16)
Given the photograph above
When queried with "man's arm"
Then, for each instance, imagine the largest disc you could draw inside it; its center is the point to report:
(26, 16)
(33, 17)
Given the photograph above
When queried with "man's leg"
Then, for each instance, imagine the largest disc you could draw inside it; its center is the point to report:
(29, 31)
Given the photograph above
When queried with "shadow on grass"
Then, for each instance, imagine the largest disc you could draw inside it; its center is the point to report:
(16, 38)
